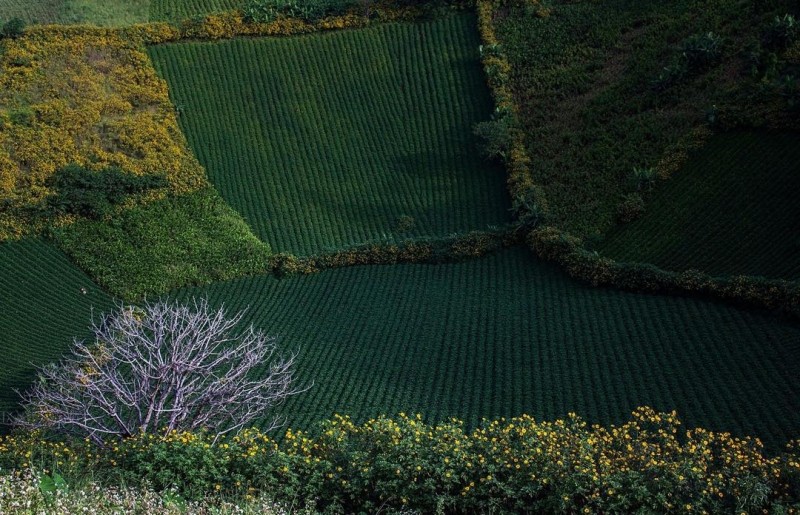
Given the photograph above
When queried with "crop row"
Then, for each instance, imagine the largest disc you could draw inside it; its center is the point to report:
(746, 222)
(178, 10)
(507, 334)
(44, 303)
(336, 139)
(43, 11)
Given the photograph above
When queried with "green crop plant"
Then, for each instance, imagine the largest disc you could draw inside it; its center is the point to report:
(325, 141)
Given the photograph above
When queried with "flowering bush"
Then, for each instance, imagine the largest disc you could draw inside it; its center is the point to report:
(509, 465)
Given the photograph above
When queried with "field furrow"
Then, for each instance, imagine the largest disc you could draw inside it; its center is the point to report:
(179, 10)
(42, 308)
(330, 140)
(506, 334)
(731, 210)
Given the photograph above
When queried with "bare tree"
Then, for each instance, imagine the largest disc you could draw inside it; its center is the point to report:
(162, 367)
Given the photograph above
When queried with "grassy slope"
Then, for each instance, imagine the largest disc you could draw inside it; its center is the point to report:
(41, 310)
(583, 78)
(328, 140)
(151, 249)
(732, 210)
(177, 10)
(504, 335)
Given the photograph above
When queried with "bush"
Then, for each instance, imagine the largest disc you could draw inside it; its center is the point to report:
(83, 192)
(648, 464)
(267, 11)
(631, 208)
(782, 32)
(13, 28)
(495, 135)
(695, 55)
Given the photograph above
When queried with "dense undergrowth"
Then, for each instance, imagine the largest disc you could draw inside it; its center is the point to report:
(649, 463)
(603, 90)
(764, 99)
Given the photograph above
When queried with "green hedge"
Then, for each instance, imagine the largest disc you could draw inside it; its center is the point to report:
(756, 292)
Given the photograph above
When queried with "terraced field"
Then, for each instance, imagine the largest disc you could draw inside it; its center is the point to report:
(336, 139)
(176, 10)
(506, 334)
(732, 210)
(41, 309)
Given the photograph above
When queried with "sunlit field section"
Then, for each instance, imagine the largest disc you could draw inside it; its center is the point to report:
(42, 308)
(506, 334)
(177, 10)
(341, 138)
(733, 209)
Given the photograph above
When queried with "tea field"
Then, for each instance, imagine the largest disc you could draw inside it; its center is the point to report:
(42, 308)
(732, 210)
(337, 139)
(507, 334)
(106, 13)
(177, 10)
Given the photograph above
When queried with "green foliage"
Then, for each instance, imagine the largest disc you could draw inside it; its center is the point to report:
(13, 28)
(508, 334)
(266, 11)
(153, 248)
(180, 10)
(630, 208)
(644, 178)
(39, 11)
(291, 143)
(91, 194)
(52, 485)
(731, 210)
(696, 54)
(104, 13)
(783, 31)
(581, 80)
(495, 135)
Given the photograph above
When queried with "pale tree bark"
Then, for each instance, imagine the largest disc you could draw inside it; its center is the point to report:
(160, 368)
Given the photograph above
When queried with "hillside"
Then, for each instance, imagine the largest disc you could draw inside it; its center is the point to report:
(553, 229)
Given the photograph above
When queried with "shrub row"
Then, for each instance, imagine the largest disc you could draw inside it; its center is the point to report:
(527, 199)
(568, 251)
(237, 23)
(554, 244)
(518, 465)
(432, 251)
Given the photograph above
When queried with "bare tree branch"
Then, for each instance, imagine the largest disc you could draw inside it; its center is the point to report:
(161, 368)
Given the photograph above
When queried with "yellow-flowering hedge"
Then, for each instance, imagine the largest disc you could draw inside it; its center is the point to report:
(649, 463)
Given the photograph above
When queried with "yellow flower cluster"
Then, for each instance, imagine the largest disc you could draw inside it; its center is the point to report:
(87, 96)
(403, 460)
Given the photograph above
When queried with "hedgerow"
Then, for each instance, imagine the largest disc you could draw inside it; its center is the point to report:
(649, 463)
(552, 238)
